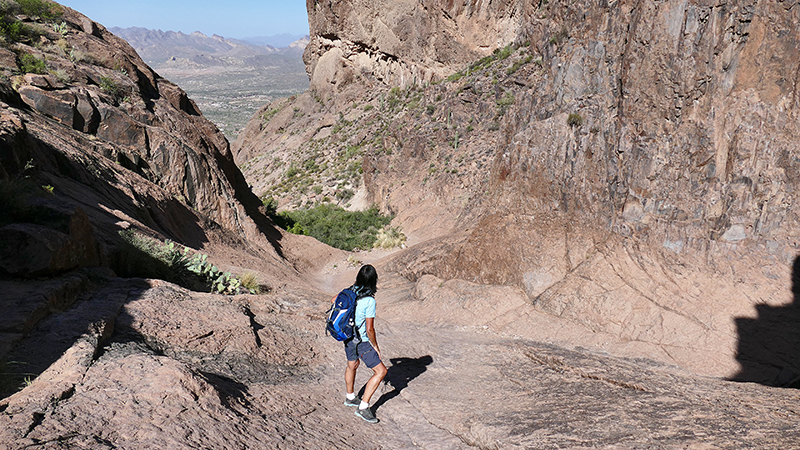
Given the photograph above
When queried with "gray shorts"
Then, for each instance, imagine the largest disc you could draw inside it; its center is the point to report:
(363, 350)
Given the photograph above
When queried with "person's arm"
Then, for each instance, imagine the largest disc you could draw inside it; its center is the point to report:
(371, 334)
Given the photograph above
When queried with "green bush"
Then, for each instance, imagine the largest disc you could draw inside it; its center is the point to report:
(269, 114)
(514, 67)
(31, 64)
(333, 225)
(42, 9)
(12, 31)
(574, 120)
(503, 103)
(393, 98)
(110, 87)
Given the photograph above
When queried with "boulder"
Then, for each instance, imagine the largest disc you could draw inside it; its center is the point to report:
(31, 250)
(118, 127)
(8, 59)
(59, 105)
(88, 118)
(46, 82)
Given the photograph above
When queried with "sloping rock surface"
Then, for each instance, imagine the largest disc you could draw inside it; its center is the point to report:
(148, 365)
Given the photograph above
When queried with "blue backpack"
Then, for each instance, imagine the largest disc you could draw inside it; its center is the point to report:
(342, 316)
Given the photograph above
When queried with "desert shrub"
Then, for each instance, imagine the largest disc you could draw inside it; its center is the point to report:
(31, 64)
(144, 257)
(11, 31)
(456, 76)
(393, 98)
(41, 9)
(389, 237)
(574, 120)
(504, 102)
(139, 256)
(112, 88)
(250, 282)
(504, 52)
(270, 205)
(515, 67)
(333, 225)
(269, 114)
(344, 194)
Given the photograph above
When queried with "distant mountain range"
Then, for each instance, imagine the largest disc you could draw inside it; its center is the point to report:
(158, 47)
(229, 79)
(278, 41)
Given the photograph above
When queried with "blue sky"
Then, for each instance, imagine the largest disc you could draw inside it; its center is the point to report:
(228, 18)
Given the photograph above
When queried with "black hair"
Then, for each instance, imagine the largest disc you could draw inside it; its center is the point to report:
(367, 277)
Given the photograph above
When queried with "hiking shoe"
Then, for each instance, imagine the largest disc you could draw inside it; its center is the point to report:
(367, 415)
(354, 402)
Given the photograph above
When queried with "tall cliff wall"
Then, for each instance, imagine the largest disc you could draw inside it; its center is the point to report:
(631, 166)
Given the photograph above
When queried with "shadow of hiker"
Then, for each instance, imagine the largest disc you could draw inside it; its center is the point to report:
(769, 345)
(401, 372)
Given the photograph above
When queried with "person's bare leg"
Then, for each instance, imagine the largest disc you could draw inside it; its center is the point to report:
(374, 381)
(350, 376)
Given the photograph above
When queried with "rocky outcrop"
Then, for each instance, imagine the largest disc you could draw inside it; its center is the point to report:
(147, 364)
(99, 146)
(31, 250)
(403, 42)
(97, 85)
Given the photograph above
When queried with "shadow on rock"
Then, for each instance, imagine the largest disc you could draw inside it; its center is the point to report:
(769, 345)
(401, 372)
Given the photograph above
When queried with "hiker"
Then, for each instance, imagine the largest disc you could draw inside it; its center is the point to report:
(364, 345)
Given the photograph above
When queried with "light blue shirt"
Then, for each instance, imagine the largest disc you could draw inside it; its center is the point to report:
(365, 308)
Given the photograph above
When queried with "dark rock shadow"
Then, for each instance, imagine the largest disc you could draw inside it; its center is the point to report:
(400, 373)
(769, 345)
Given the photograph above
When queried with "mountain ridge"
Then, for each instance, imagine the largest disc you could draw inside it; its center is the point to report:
(157, 46)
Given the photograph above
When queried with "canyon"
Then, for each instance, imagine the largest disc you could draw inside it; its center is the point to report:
(599, 204)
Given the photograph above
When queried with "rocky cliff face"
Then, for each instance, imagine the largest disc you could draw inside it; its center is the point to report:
(109, 135)
(404, 42)
(629, 166)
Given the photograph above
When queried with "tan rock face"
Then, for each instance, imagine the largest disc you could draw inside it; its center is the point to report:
(630, 167)
(404, 42)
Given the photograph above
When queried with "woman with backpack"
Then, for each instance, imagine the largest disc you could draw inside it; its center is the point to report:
(364, 345)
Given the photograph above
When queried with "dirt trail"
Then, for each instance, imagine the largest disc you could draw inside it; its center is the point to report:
(452, 386)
